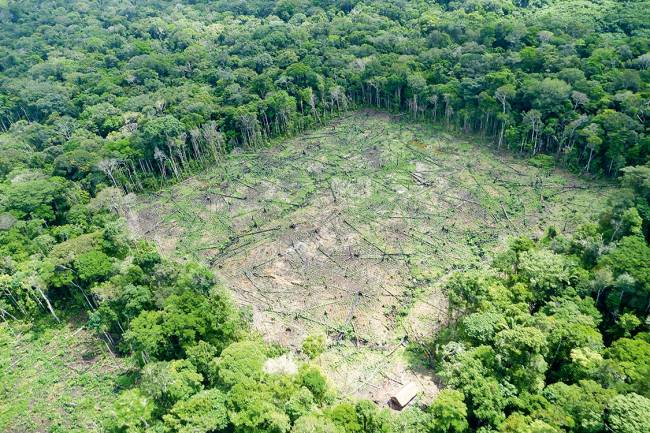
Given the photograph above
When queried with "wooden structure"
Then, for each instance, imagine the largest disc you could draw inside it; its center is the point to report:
(404, 396)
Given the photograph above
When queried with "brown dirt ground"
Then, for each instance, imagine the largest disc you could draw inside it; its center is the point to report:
(352, 229)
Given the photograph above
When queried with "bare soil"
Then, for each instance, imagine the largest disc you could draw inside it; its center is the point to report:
(353, 228)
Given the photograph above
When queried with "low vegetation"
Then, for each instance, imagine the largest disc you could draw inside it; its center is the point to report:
(57, 378)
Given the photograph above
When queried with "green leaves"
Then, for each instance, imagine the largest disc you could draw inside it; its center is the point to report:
(251, 408)
(299, 404)
(542, 365)
(43, 198)
(240, 362)
(628, 414)
(630, 257)
(520, 352)
(203, 412)
(473, 373)
(581, 405)
(102, 93)
(545, 272)
(314, 345)
(157, 132)
(93, 266)
(448, 412)
(132, 412)
(146, 337)
(481, 328)
(170, 382)
(628, 368)
(185, 320)
(315, 424)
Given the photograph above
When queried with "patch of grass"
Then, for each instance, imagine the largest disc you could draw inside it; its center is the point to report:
(56, 378)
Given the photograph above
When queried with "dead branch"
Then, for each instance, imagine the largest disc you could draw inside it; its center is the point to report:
(229, 196)
(363, 236)
(330, 257)
(256, 232)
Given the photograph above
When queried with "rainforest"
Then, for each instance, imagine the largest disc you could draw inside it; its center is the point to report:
(325, 216)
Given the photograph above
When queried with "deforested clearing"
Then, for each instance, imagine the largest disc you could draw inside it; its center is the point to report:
(351, 229)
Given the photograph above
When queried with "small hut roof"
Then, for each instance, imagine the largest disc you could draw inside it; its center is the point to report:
(404, 396)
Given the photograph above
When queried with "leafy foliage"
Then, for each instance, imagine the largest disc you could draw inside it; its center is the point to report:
(102, 99)
(556, 339)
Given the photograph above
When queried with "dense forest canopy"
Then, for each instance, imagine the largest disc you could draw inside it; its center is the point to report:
(104, 98)
(152, 85)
